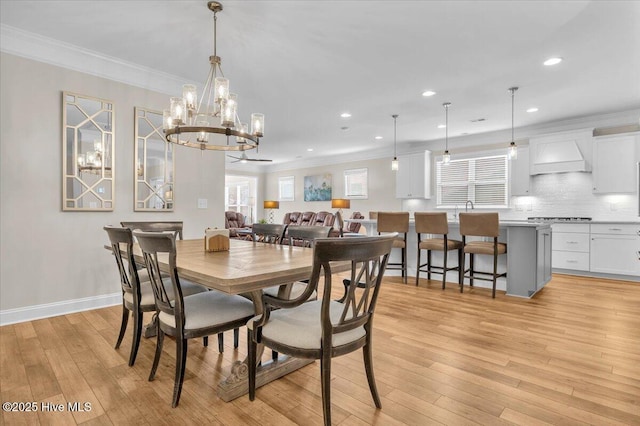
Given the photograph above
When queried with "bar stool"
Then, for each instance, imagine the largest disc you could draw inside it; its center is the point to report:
(436, 223)
(482, 225)
(396, 222)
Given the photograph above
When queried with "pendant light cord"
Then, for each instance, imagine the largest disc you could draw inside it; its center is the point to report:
(395, 117)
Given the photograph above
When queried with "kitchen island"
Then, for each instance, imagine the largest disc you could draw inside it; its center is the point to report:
(528, 259)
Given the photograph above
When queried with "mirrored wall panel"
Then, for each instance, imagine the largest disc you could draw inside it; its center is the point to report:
(88, 153)
(154, 163)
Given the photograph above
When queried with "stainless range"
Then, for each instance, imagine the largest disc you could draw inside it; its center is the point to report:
(558, 219)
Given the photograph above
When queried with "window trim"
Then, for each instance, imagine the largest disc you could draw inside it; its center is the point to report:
(347, 187)
(470, 184)
(286, 181)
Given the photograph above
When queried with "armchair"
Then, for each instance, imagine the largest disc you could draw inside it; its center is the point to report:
(234, 221)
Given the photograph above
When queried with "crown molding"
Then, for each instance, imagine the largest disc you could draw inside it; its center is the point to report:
(54, 52)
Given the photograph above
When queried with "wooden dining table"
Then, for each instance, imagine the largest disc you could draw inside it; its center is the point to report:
(246, 268)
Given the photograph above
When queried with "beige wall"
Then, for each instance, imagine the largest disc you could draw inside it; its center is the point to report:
(52, 257)
(382, 188)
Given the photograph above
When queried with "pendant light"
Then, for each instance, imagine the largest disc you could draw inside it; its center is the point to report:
(513, 148)
(446, 158)
(394, 163)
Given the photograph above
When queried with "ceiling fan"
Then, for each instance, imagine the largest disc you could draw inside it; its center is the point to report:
(244, 159)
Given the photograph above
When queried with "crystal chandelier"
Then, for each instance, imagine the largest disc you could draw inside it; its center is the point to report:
(200, 124)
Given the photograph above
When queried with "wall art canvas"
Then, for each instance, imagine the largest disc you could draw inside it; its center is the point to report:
(317, 188)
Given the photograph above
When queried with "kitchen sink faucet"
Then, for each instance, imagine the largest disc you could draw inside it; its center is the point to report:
(466, 205)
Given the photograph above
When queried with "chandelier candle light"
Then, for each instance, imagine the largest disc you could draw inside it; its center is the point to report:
(513, 148)
(191, 124)
(394, 162)
(446, 158)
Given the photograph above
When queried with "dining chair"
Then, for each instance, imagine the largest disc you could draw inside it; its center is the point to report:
(175, 227)
(482, 225)
(186, 317)
(435, 223)
(268, 232)
(396, 222)
(324, 329)
(137, 294)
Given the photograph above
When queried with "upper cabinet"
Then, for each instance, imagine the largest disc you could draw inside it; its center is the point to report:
(615, 163)
(520, 178)
(413, 178)
(561, 152)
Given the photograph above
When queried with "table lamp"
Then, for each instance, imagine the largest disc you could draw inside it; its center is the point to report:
(270, 205)
(340, 203)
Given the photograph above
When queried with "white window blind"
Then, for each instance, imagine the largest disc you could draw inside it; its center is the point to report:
(286, 188)
(483, 180)
(355, 184)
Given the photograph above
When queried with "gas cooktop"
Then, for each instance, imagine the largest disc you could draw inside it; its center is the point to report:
(558, 219)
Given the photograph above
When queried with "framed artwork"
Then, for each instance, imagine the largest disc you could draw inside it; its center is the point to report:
(317, 188)
(286, 188)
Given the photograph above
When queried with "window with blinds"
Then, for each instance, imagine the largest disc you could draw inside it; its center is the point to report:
(355, 184)
(483, 180)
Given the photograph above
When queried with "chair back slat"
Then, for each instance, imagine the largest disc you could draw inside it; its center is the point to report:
(268, 232)
(129, 279)
(306, 235)
(368, 257)
(153, 245)
(175, 227)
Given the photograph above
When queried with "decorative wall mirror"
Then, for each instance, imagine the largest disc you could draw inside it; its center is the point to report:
(154, 163)
(87, 153)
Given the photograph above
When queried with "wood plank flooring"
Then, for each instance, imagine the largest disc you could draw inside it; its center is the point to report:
(570, 356)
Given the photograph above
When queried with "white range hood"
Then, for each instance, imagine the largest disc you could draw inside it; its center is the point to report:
(561, 152)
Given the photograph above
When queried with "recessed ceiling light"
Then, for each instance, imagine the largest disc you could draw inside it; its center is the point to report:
(378, 137)
(534, 109)
(344, 128)
(552, 61)
(309, 149)
(427, 93)
(442, 126)
(345, 115)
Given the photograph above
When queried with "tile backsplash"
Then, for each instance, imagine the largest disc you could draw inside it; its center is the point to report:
(561, 194)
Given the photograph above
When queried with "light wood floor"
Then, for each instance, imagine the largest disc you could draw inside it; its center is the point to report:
(569, 356)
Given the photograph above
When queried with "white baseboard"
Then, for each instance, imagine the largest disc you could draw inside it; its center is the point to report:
(30, 313)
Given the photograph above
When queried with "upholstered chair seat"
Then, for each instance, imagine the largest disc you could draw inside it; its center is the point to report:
(146, 291)
(484, 247)
(299, 327)
(439, 244)
(198, 312)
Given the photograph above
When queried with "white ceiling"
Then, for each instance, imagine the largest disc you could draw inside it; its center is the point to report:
(302, 63)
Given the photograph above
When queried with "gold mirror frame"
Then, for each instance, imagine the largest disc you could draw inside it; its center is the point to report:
(154, 164)
(88, 153)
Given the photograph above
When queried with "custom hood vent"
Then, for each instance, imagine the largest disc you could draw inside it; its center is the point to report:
(561, 153)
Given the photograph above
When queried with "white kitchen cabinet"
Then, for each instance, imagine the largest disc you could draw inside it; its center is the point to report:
(571, 246)
(544, 258)
(528, 259)
(413, 177)
(615, 249)
(520, 177)
(615, 163)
